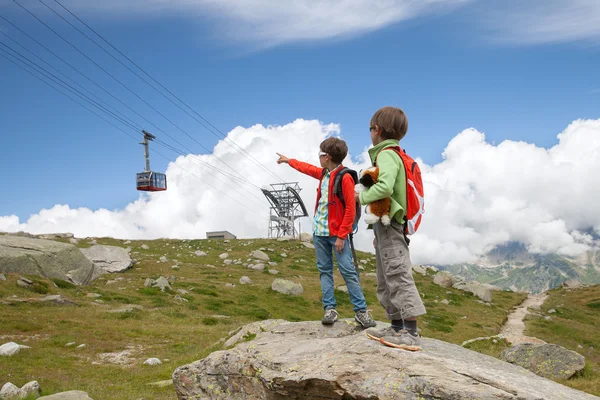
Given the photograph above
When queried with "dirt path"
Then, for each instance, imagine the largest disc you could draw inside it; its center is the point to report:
(514, 328)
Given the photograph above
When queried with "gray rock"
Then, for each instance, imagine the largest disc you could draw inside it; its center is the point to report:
(419, 269)
(260, 255)
(223, 256)
(50, 259)
(32, 388)
(9, 349)
(230, 285)
(572, 284)
(162, 283)
(245, 280)
(551, 311)
(199, 253)
(371, 274)
(227, 262)
(258, 267)
(73, 241)
(287, 287)
(445, 301)
(475, 288)
(342, 288)
(12, 392)
(306, 360)
(109, 259)
(70, 395)
(145, 247)
(443, 279)
(308, 245)
(152, 361)
(273, 271)
(93, 295)
(2, 277)
(548, 360)
(57, 299)
(272, 264)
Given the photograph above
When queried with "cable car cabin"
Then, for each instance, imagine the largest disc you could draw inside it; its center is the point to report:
(151, 181)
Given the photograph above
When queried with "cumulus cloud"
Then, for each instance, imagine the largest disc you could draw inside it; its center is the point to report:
(480, 195)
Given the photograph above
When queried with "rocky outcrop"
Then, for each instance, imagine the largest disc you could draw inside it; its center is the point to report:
(548, 360)
(284, 360)
(45, 258)
(108, 259)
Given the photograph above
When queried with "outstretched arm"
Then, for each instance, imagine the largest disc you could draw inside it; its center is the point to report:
(303, 167)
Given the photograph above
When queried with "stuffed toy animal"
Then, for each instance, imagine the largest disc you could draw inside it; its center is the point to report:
(377, 210)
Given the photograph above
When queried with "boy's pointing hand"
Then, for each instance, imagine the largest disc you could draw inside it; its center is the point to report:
(282, 159)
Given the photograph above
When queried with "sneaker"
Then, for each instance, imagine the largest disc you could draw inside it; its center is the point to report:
(364, 319)
(330, 317)
(377, 334)
(402, 340)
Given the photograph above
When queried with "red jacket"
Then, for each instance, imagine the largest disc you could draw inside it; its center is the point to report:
(340, 219)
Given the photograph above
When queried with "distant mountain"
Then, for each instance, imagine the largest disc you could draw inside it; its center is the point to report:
(511, 266)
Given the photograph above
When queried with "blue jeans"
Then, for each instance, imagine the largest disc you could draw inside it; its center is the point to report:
(324, 246)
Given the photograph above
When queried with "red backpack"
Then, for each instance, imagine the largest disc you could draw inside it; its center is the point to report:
(415, 197)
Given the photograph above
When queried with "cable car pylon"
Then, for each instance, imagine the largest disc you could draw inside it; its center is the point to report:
(149, 181)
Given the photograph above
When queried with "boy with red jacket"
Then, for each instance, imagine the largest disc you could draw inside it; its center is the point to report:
(332, 225)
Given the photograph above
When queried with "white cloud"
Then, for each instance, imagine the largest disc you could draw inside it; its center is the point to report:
(479, 196)
(273, 22)
(547, 21)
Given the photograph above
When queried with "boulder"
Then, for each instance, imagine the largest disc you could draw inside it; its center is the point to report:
(306, 237)
(443, 279)
(260, 255)
(10, 391)
(109, 258)
(474, 287)
(307, 360)
(9, 349)
(70, 395)
(45, 258)
(548, 360)
(287, 287)
(419, 269)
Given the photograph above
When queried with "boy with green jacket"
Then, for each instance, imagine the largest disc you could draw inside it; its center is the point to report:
(396, 289)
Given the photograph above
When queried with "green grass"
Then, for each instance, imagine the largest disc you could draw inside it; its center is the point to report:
(575, 325)
(182, 332)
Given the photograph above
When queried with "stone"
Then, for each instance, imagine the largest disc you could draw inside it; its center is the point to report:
(277, 359)
(145, 247)
(152, 361)
(272, 264)
(547, 360)
(162, 283)
(73, 241)
(445, 301)
(443, 279)
(371, 274)
(93, 295)
(32, 388)
(258, 267)
(57, 299)
(10, 391)
(551, 311)
(284, 255)
(343, 289)
(419, 269)
(70, 395)
(9, 349)
(245, 280)
(199, 253)
(287, 287)
(308, 245)
(46, 258)
(260, 255)
(228, 262)
(273, 271)
(163, 259)
(474, 287)
(571, 284)
(70, 344)
(2, 277)
(223, 256)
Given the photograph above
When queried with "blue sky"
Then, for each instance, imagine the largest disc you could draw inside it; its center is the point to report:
(523, 72)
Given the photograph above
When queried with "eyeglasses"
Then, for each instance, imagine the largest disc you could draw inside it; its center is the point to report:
(322, 154)
(371, 128)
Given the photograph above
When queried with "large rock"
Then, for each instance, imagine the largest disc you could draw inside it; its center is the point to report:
(45, 258)
(10, 391)
(443, 279)
(287, 287)
(260, 255)
(109, 258)
(548, 360)
(70, 395)
(476, 288)
(303, 360)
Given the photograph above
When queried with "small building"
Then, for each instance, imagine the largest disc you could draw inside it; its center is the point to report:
(220, 235)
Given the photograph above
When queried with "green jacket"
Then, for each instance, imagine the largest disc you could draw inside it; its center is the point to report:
(391, 182)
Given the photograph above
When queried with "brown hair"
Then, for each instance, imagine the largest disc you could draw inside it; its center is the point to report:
(392, 121)
(336, 148)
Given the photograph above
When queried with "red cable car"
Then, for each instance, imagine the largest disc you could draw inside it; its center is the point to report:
(149, 181)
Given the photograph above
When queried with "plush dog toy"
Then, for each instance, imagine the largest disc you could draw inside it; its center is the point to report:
(377, 210)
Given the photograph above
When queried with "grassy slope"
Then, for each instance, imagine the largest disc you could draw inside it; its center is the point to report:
(181, 331)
